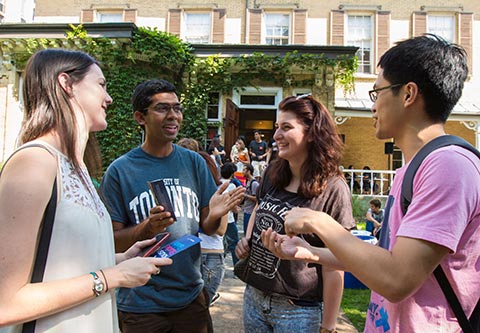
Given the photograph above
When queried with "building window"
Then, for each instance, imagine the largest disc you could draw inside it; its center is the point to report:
(360, 33)
(197, 28)
(442, 25)
(104, 17)
(214, 116)
(213, 107)
(277, 29)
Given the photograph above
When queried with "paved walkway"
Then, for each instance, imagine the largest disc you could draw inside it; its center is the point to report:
(227, 311)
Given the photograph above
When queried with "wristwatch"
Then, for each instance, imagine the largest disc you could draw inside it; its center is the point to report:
(98, 285)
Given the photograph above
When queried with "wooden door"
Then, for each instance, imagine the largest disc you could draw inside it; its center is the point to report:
(230, 124)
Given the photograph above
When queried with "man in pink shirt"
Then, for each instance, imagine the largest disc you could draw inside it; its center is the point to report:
(419, 82)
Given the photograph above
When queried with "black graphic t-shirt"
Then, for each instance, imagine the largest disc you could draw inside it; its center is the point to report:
(292, 278)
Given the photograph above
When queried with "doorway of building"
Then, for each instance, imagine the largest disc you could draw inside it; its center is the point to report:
(257, 111)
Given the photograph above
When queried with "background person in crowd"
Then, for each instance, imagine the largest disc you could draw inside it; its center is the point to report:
(273, 151)
(419, 82)
(212, 247)
(174, 300)
(65, 99)
(227, 171)
(374, 217)
(286, 295)
(213, 265)
(352, 180)
(258, 154)
(216, 151)
(250, 201)
(239, 154)
(367, 180)
(189, 143)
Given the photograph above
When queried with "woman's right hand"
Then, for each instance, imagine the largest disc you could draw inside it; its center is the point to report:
(242, 249)
(134, 272)
(285, 247)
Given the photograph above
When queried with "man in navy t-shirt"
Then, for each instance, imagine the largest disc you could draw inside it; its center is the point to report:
(175, 299)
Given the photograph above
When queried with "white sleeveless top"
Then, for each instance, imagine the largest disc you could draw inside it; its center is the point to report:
(82, 242)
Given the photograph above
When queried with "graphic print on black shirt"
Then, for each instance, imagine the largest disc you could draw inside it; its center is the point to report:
(271, 213)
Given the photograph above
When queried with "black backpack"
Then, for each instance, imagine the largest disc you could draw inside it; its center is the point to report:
(468, 326)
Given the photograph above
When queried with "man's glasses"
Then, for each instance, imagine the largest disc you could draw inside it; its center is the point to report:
(374, 93)
(164, 108)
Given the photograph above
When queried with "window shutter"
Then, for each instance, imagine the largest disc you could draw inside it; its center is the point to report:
(130, 15)
(218, 25)
(465, 37)
(300, 26)
(174, 20)
(419, 23)
(88, 15)
(383, 33)
(254, 26)
(337, 29)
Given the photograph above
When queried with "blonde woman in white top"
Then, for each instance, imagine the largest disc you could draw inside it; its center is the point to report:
(65, 100)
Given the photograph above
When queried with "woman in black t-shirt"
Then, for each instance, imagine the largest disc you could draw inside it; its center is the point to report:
(284, 295)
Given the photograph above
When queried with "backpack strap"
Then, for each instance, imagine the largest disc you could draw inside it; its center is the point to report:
(441, 141)
(407, 193)
(251, 184)
(453, 300)
(43, 246)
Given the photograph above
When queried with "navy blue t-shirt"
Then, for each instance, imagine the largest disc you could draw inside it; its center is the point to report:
(129, 200)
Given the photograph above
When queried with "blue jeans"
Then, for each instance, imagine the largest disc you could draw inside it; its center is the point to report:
(213, 270)
(264, 314)
(231, 236)
(246, 218)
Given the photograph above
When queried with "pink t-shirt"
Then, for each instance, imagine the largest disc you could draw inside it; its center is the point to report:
(445, 210)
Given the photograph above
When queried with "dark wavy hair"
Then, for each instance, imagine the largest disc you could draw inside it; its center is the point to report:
(324, 150)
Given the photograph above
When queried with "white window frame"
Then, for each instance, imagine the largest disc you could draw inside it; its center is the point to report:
(219, 111)
(264, 27)
(261, 91)
(372, 40)
(100, 14)
(435, 16)
(185, 31)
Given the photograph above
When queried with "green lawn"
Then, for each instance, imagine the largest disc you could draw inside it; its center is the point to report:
(355, 301)
(354, 304)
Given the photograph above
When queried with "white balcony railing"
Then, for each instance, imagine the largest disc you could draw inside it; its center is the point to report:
(369, 182)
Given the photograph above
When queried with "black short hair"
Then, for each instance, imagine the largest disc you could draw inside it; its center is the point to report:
(249, 167)
(142, 96)
(439, 69)
(227, 170)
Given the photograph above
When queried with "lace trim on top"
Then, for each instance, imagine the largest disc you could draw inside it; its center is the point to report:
(74, 189)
